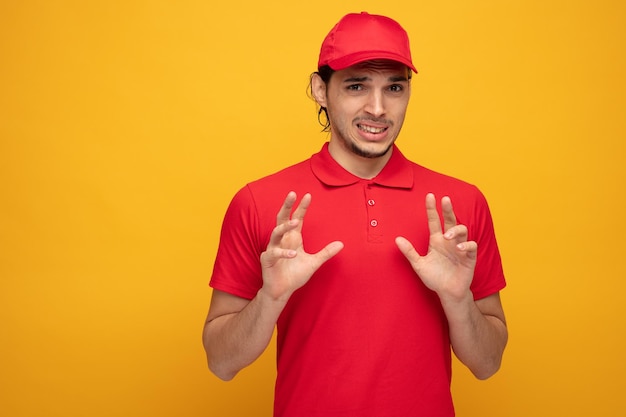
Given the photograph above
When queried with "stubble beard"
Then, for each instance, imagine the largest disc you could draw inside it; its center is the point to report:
(354, 147)
(367, 154)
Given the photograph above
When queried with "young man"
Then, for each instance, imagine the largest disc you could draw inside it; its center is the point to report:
(367, 285)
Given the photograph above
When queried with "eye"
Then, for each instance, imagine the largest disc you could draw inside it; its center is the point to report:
(355, 87)
(396, 88)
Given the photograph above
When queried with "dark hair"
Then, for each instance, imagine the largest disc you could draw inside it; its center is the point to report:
(324, 73)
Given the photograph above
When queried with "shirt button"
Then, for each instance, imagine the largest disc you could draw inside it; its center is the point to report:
(374, 223)
(370, 202)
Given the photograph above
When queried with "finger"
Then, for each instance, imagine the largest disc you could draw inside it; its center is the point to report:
(470, 248)
(284, 214)
(407, 249)
(272, 255)
(449, 219)
(280, 230)
(434, 222)
(458, 232)
(302, 207)
(329, 251)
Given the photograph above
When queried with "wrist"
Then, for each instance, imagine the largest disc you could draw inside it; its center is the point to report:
(455, 299)
(272, 296)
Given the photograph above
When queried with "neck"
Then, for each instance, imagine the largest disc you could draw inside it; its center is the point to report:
(360, 166)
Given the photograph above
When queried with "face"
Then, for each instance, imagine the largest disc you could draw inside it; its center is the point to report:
(366, 105)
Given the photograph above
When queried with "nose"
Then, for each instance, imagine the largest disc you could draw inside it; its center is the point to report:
(375, 103)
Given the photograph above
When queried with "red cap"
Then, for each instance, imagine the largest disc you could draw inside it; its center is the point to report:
(362, 37)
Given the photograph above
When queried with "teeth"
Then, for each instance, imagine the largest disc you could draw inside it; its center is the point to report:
(371, 129)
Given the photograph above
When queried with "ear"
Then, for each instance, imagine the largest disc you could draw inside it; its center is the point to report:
(318, 90)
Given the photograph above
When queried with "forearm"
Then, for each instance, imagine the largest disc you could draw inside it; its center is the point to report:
(235, 340)
(478, 338)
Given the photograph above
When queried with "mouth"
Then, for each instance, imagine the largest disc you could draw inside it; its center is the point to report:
(371, 129)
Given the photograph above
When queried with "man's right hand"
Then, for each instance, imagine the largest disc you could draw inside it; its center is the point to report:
(285, 264)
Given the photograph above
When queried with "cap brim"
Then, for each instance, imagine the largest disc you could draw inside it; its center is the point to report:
(353, 59)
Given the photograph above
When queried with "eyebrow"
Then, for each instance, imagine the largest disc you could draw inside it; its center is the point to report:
(394, 79)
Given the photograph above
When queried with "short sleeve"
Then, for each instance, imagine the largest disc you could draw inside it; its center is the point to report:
(237, 268)
(488, 274)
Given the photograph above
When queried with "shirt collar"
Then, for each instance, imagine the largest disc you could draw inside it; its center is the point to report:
(397, 173)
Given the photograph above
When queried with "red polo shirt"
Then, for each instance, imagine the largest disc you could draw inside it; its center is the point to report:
(364, 337)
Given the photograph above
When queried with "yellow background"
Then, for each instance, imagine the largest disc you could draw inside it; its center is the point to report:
(127, 126)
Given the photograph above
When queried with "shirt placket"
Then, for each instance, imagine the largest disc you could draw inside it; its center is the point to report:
(374, 226)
